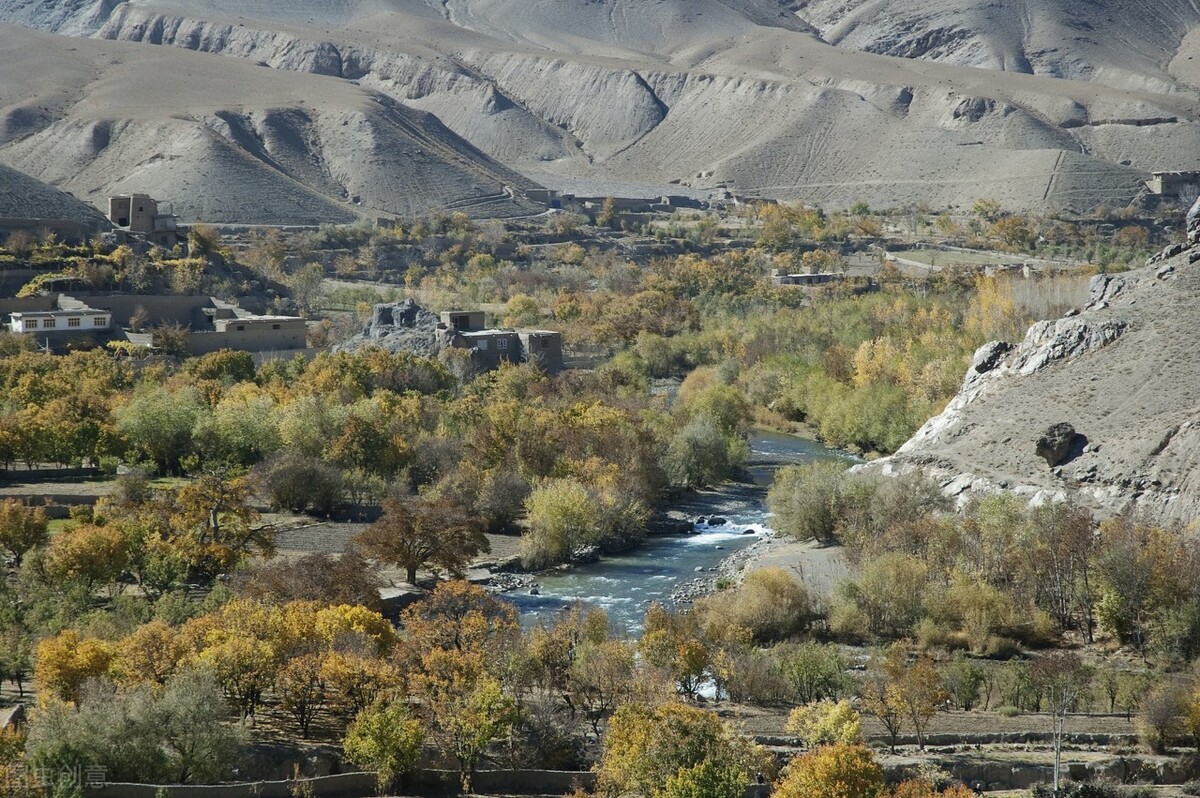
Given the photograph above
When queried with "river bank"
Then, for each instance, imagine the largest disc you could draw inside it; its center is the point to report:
(713, 528)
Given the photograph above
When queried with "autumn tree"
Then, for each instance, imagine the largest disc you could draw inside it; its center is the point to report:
(302, 690)
(21, 528)
(840, 770)
(152, 654)
(214, 525)
(825, 722)
(419, 533)
(647, 747)
(65, 662)
(88, 554)
(1160, 712)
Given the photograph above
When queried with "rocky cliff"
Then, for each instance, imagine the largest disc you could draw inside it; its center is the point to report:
(1102, 406)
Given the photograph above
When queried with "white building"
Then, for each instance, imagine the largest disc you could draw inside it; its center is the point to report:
(49, 322)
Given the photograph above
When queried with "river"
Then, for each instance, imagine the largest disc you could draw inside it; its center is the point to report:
(626, 584)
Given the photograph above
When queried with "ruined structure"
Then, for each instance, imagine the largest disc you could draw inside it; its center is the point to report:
(138, 214)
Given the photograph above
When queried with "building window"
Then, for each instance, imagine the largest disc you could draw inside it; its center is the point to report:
(99, 321)
(502, 343)
(31, 324)
(274, 326)
(481, 345)
(241, 328)
(48, 324)
(73, 321)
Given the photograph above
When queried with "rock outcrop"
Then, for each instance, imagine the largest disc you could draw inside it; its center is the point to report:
(399, 327)
(1108, 397)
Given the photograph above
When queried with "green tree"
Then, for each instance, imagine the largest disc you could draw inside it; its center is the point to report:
(176, 735)
(159, 424)
(563, 515)
(702, 453)
(387, 740)
(805, 500)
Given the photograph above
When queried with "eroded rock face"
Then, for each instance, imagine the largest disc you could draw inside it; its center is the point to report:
(988, 356)
(1054, 445)
(1123, 370)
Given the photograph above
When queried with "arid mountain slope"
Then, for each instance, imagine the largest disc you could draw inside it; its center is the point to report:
(226, 140)
(1122, 43)
(1123, 372)
(25, 198)
(722, 93)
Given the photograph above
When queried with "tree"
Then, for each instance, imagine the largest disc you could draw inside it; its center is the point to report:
(1062, 680)
(16, 654)
(214, 525)
(172, 735)
(825, 722)
(466, 715)
(299, 482)
(320, 577)
(1159, 715)
(301, 690)
(387, 740)
(21, 528)
(65, 662)
(89, 554)
(646, 748)
(244, 667)
(963, 679)
(701, 453)
(152, 654)
(805, 500)
(815, 671)
(420, 532)
(602, 679)
(563, 515)
(770, 604)
(841, 770)
(921, 693)
(159, 423)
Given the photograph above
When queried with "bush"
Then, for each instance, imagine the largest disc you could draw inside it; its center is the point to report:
(805, 500)
(770, 604)
(297, 482)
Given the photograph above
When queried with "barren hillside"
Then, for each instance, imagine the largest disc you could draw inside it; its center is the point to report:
(891, 101)
(23, 197)
(1122, 372)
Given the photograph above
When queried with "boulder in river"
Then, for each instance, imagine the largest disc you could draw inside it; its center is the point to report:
(717, 520)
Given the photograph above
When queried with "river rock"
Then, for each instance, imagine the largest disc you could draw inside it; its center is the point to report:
(717, 520)
(747, 531)
(1055, 443)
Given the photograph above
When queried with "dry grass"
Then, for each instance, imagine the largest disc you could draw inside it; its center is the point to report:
(1051, 296)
